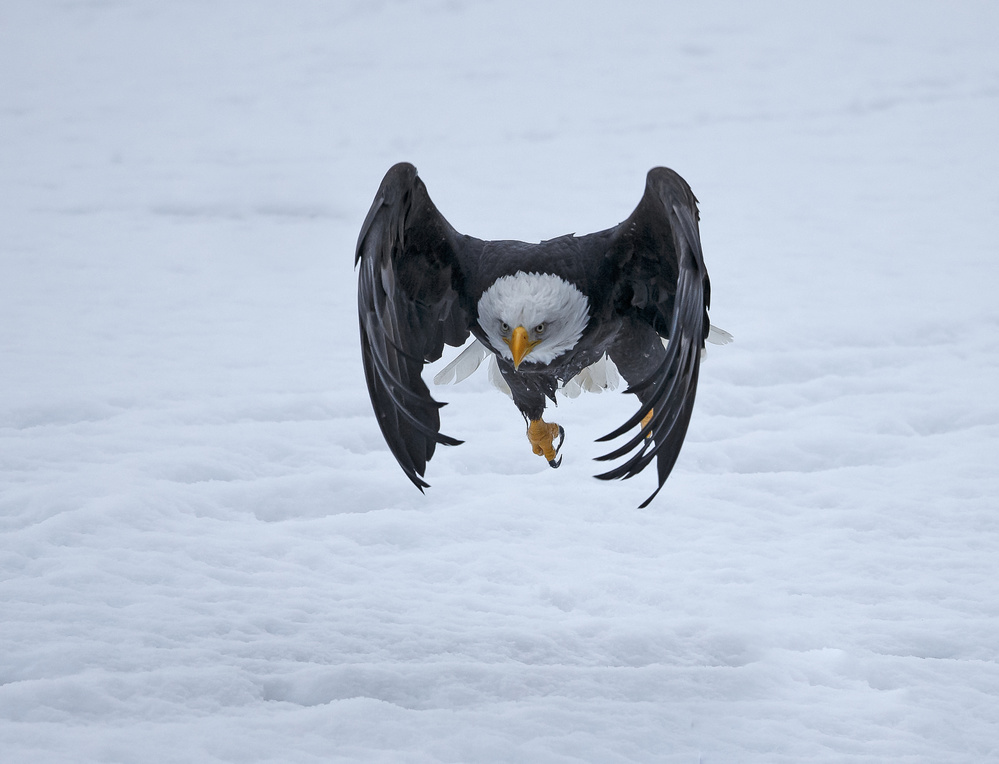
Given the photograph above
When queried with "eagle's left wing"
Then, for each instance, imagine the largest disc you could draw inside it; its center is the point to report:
(409, 308)
(662, 286)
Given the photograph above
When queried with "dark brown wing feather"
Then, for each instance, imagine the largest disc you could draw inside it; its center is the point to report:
(409, 308)
(660, 280)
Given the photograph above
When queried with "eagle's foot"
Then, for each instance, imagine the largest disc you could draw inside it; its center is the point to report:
(645, 422)
(542, 434)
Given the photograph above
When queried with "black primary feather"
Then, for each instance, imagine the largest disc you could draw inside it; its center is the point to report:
(661, 273)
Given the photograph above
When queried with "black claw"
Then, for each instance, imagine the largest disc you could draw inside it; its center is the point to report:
(554, 463)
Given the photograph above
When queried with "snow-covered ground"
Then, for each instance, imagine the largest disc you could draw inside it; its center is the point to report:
(207, 552)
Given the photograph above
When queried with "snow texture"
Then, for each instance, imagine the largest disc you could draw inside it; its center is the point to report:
(207, 551)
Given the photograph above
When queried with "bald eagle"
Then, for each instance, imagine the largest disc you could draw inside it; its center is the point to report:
(548, 313)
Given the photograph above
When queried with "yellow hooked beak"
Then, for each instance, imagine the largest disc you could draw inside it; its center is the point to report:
(520, 345)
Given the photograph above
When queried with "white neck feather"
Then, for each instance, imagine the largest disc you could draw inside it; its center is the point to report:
(531, 300)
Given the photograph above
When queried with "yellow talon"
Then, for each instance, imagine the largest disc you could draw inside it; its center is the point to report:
(645, 422)
(542, 434)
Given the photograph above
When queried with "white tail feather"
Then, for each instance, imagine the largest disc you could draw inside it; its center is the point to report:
(463, 366)
(596, 378)
(718, 336)
(496, 377)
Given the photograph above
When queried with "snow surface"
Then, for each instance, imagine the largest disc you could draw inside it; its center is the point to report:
(207, 552)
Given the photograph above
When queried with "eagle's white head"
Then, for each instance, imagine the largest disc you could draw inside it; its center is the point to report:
(533, 317)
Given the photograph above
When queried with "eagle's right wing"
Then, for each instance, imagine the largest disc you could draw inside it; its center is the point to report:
(409, 306)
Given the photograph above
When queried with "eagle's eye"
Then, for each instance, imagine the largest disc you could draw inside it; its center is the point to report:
(539, 329)
(504, 327)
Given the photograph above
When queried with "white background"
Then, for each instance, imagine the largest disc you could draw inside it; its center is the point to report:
(208, 553)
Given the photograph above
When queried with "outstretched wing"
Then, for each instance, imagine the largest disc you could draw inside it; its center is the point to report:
(409, 305)
(662, 286)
